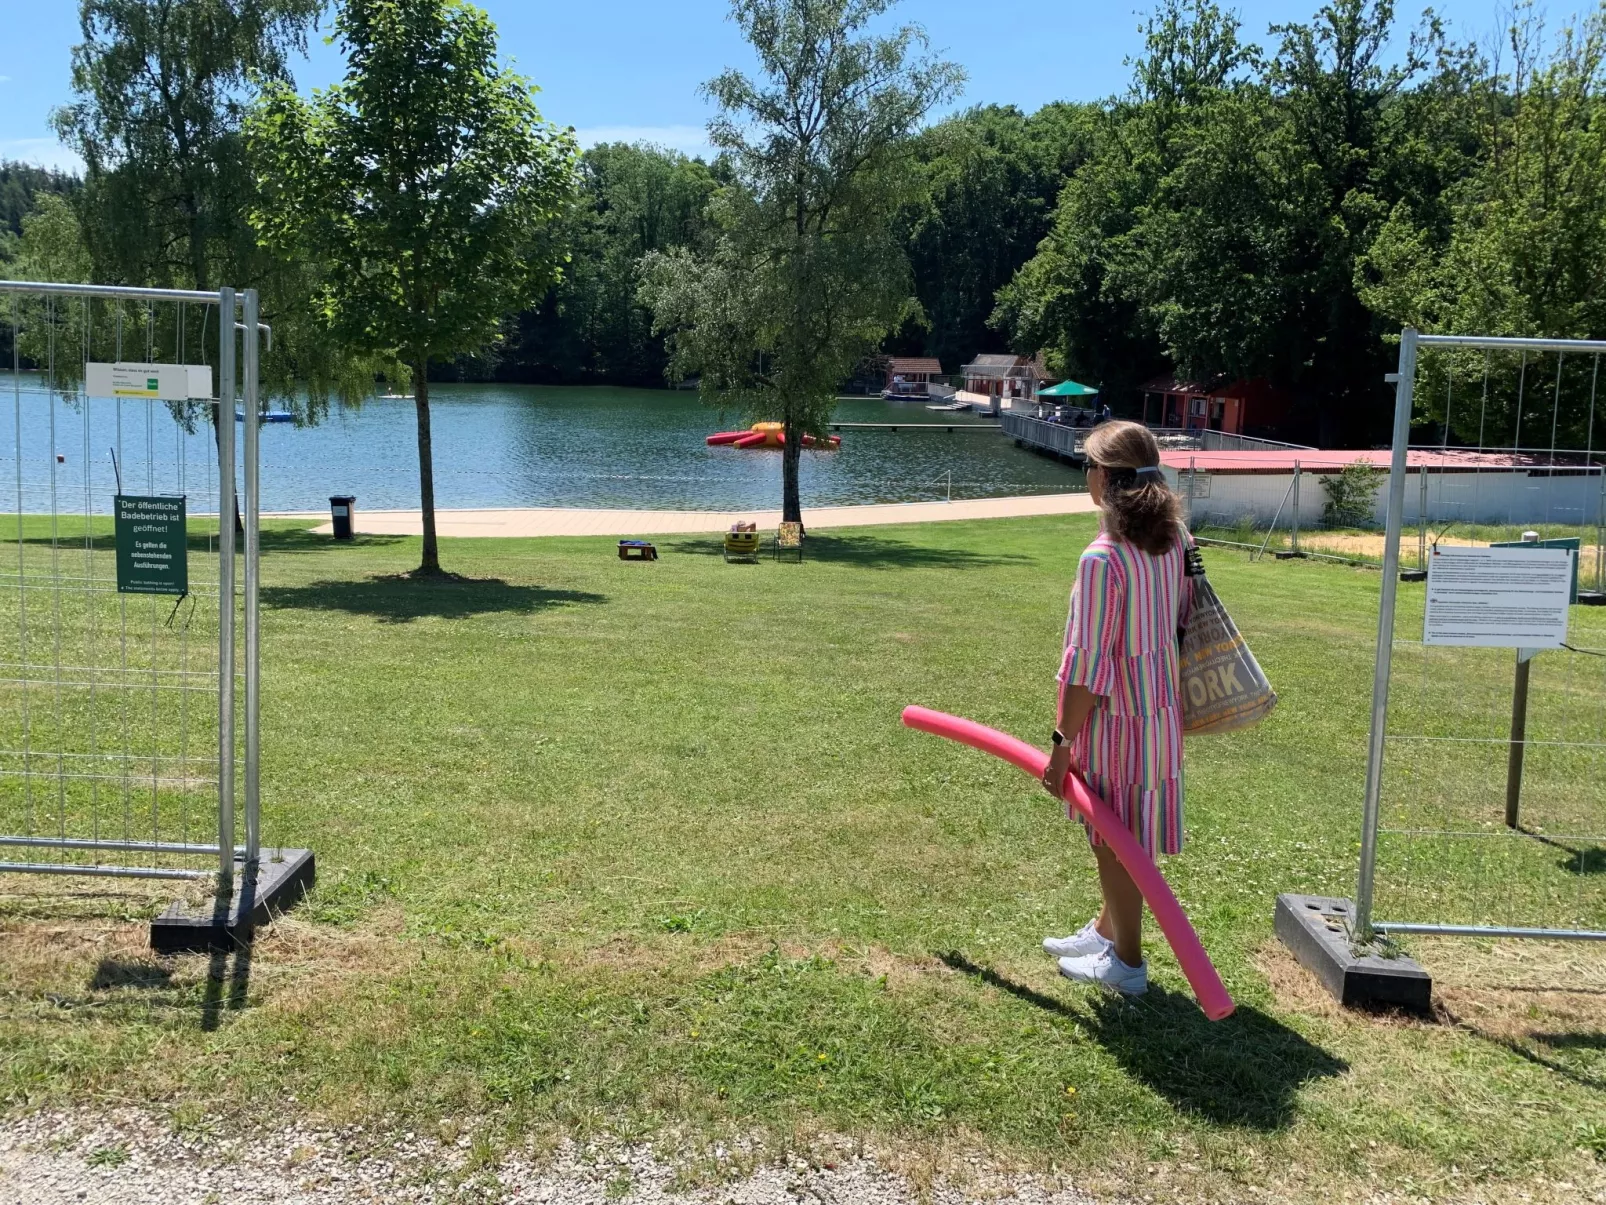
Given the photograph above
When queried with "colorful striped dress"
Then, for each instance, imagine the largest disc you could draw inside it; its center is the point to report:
(1121, 643)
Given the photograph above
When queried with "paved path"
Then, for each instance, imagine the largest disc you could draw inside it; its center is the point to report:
(563, 521)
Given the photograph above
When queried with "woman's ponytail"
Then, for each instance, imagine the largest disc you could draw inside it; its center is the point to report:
(1139, 507)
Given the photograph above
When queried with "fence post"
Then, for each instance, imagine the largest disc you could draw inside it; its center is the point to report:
(1293, 543)
(1422, 519)
(1191, 461)
(1385, 635)
(253, 652)
(225, 617)
(1519, 739)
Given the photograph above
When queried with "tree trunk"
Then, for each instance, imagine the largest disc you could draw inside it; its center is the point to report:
(791, 458)
(430, 564)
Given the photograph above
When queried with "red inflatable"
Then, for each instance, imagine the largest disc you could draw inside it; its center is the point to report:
(769, 435)
(1173, 922)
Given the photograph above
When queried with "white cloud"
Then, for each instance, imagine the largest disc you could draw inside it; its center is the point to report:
(689, 140)
(5, 79)
(45, 152)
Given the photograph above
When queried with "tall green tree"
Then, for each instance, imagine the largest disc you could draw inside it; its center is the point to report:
(161, 88)
(1524, 252)
(987, 182)
(591, 326)
(807, 274)
(429, 183)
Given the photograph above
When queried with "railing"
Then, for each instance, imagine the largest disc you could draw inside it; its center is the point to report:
(1052, 437)
(1222, 441)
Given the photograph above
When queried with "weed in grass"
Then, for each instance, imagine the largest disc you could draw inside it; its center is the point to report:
(108, 1156)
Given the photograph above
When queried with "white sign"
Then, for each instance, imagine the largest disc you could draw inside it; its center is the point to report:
(164, 382)
(1498, 597)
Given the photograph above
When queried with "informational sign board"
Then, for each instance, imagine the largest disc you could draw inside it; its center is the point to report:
(1570, 542)
(1498, 597)
(163, 382)
(152, 555)
(1193, 484)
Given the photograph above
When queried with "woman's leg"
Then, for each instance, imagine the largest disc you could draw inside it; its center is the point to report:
(1122, 918)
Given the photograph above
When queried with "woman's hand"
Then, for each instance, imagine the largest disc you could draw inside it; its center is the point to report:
(1060, 763)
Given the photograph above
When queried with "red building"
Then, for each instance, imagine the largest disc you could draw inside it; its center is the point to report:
(1241, 407)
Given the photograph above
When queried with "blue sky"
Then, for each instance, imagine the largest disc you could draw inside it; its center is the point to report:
(629, 69)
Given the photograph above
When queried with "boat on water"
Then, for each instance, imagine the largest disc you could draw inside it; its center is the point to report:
(268, 416)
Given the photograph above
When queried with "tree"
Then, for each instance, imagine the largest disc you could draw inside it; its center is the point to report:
(591, 326)
(427, 181)
(806, 275)
(1524, 252)
(161, 88)
(987, 181)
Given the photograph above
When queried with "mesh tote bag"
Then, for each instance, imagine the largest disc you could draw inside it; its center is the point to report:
(1223, 686)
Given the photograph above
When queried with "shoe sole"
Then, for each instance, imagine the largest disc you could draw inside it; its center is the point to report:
(1119, 991)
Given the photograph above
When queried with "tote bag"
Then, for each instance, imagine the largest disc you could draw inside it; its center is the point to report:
(1223, 686)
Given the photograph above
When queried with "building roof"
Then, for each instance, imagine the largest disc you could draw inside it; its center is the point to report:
(908, 364)
(1278, 460)
(998, 364)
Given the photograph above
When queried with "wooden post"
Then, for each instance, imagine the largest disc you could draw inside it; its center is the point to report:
(1519, 739)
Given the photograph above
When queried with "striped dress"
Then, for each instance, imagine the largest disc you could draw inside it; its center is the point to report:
(1121, 643)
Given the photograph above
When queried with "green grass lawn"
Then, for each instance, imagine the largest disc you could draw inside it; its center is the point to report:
(643, 848)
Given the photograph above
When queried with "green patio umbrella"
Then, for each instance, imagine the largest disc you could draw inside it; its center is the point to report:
(1068, 389)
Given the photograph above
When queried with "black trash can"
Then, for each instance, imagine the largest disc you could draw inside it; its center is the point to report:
(342, 509)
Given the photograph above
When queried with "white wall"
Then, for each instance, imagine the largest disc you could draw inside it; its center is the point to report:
(1486, 496)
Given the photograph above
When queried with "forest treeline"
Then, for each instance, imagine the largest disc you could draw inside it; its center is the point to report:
(1264, 207)
(1275, 209)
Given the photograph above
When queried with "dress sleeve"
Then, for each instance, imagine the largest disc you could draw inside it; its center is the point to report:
(1090, 635)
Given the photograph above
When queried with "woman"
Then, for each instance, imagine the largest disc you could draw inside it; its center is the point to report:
(1120, 718)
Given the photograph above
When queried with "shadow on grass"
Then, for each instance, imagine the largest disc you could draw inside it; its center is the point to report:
(1244, 1071)
(115, 972)
(402, 599)
(865, 552)
(271, 541)
(1587, 860)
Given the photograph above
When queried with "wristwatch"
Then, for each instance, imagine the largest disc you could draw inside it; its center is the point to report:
(1059, 738)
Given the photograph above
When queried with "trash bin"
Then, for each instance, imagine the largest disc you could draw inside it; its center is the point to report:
(342, 509)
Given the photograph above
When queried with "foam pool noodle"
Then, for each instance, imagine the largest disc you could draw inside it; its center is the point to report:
(1168, 914)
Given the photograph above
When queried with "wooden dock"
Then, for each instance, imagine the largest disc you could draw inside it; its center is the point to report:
(1054, 438)
(918, 426)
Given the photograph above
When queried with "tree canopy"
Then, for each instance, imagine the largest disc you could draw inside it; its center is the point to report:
(427, 182)
(805, 276)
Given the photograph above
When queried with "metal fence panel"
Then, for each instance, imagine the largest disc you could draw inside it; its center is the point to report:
(117, 739)
(1485, 805)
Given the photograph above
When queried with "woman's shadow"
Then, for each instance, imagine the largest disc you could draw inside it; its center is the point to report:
(1244, 1071)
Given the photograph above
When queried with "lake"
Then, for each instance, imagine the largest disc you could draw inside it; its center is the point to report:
(517, 445)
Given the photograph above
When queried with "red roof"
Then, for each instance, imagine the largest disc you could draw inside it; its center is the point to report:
(1277, 460)
(915, 364)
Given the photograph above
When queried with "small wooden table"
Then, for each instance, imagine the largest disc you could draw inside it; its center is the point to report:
(637, 550)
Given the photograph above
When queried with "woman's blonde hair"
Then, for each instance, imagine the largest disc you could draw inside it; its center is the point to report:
(1139, 507)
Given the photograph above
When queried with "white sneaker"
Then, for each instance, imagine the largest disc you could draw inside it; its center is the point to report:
(1086, 940)
(1104, 967)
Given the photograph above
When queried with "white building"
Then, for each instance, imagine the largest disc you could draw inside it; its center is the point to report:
(1461, 486)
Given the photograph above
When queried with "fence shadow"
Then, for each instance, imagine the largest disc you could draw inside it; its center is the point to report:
(865, 552)
(1244, 1071)
(272, 541)
(401, 599)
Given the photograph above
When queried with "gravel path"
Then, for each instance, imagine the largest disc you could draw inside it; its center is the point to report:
(135, 1159)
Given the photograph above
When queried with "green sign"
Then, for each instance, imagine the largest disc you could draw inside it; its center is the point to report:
(152, 556)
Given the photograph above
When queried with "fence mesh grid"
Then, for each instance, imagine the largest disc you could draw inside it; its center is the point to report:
(1492, 807)
(109, 733)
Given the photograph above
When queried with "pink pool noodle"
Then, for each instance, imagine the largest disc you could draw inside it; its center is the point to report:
(1168, 913)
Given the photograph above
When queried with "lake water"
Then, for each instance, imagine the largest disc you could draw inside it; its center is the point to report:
(509, 446)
